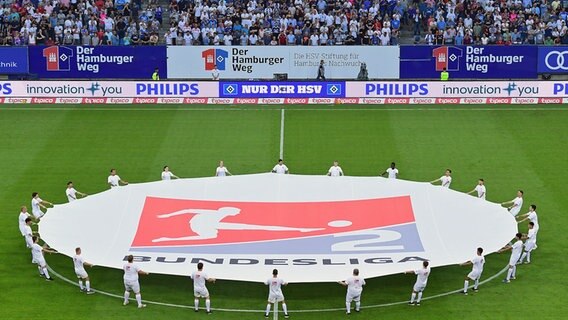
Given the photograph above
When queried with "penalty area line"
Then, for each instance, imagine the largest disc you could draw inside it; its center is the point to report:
(59, 276)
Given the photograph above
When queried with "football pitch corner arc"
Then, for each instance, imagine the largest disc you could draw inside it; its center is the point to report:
(181, 306)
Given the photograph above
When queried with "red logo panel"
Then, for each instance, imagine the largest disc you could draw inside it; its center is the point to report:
(167, 222)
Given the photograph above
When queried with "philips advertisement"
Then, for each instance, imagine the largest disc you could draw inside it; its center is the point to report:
(100, 62)
(469, 62)
(553, 60)
(100, 89)
(298, 62)
(13, 60)
(282, 89)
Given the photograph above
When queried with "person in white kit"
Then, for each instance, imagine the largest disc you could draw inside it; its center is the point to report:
(354, 286)
(215, 73)
(22, 219)
(392, 172)
(114, 179)
(421, 281)
(131, 272)
(79, 266)
(38, 204)
(445, 180)
(28, 233)
(39, 259)
(515, 204)
(531, 215)
(335, 170)
(477, 269)
(275, 293)
(72, 193)
(280, 168)
(221, 170)
(200, 278)
(480, 189)
(167, 174)
(516, 249)
(530, 243)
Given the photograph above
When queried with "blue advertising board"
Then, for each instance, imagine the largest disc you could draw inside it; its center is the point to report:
(292, 89)
(469, 62)
(99, 62)
(13, 60)
(553, 60)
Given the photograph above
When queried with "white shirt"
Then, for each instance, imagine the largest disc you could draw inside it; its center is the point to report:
(517, 204)
(221, 171)
(533, 218)
(446, 181)
(480, 191)
(78, 262)
(280, 168)
(113, 180)
(71, 194)
(37, 252)
(199, 279)
(35, 207)
(275, 285)
(22, 221)
(27, 231)
(517, 249)
(422, 276)
(477, 264)
(392, 173)
(531, 235)
(215, 74)
(355, 284)
(335, 171)
(167, 175)
(131, 272)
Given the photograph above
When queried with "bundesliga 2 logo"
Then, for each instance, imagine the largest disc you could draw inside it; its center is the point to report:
(221, 227)
(215, 57)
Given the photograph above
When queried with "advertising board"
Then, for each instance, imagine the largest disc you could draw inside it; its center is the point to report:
(299, 62)
(99, 62)
(469, 62)
(13, 60)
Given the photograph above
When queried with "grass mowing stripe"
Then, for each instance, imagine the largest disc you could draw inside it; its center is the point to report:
(282, 134)
(165, 304)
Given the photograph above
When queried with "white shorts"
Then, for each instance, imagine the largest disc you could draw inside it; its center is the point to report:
(513, 261)
(353, 296)
(81, 273)
(474, 275)
(200, 292)
(132, 286)
(29, 241)
(272, 298)
(40, 262)
(37, 215)
(418, 287)
(529, 246)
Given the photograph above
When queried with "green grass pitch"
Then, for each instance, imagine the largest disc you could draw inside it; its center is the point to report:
(41, 148)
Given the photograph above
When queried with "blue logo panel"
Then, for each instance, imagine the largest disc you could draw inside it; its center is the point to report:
(469, 62)
(553, 60)
(294, 89)
(99, 62)
(13, 60)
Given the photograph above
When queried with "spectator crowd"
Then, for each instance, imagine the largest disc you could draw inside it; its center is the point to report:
(283, 22)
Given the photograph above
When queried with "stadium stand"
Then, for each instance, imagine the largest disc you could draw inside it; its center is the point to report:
(282, 22)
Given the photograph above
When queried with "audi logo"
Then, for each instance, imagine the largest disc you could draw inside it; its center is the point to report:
(556, 60)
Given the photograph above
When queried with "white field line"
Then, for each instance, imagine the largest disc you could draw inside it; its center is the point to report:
(290, 311)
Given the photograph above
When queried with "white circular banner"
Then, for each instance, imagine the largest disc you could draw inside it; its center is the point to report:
(311, 228)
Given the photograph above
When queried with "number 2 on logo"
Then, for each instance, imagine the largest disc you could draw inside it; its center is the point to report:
(379, 238)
